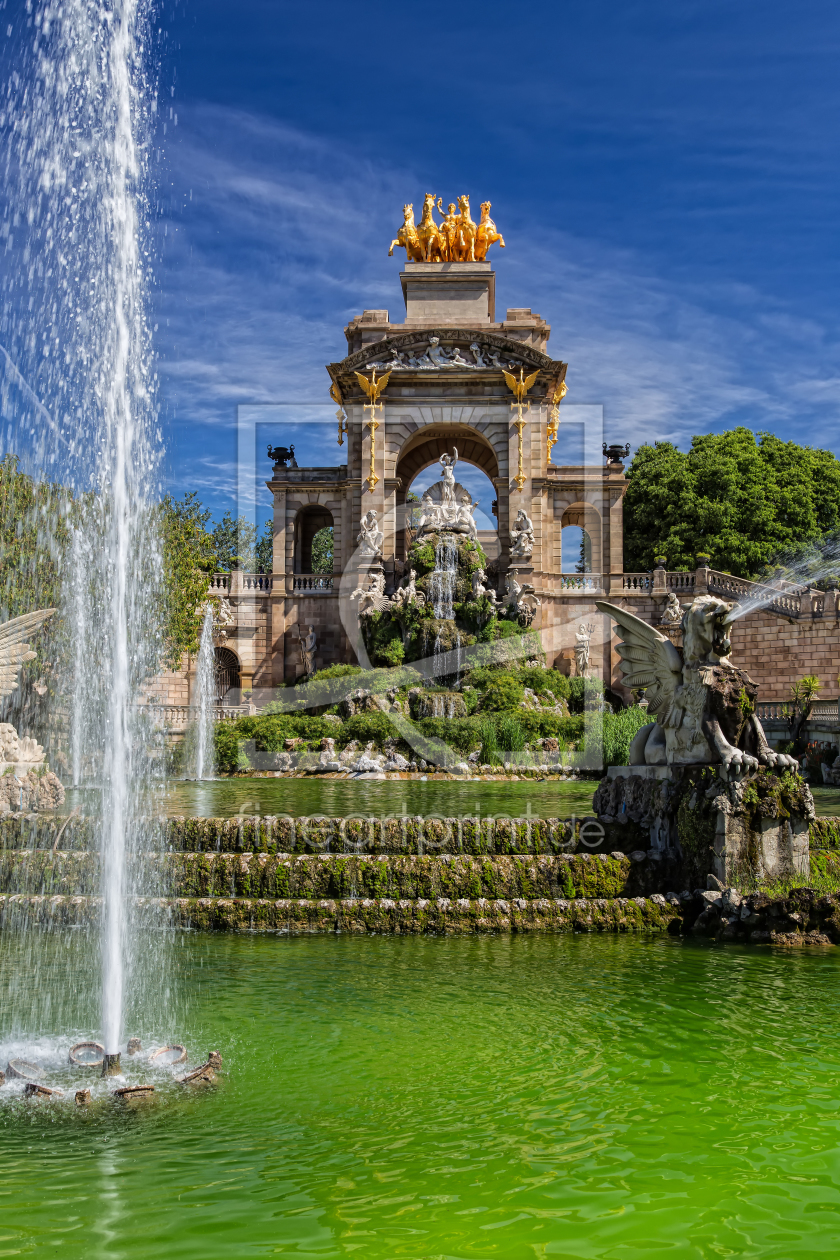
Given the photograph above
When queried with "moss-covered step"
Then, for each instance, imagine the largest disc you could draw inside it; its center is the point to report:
(443, 916)
(264, 875)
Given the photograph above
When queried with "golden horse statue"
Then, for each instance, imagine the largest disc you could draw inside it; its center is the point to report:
(457, 239)
(448, 232)
(428, 232)
(407, 237)
(487, 234)
(467, 231)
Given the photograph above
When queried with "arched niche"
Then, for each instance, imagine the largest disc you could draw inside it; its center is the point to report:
(228, 676)
(423, 450)
(308, 522)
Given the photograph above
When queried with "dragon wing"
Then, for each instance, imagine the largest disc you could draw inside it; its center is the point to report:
(529, 380)
(335, 394)
(382, 382)
(648, 658)
(512, 382)
(14, 649)
(364, 382)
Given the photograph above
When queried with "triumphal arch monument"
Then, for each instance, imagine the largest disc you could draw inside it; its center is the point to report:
(445, 375)
(452, 376)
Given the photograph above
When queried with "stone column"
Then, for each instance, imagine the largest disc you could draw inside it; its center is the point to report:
(277, 603)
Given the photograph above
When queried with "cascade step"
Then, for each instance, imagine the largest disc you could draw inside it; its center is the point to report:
(442, 916)
(282, 875)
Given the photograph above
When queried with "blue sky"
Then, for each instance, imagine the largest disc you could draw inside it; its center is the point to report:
(666, 178)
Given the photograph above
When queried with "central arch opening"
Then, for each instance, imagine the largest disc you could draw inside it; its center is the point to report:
(419, 467)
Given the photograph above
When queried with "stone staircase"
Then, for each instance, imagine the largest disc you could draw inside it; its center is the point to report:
(399, 875)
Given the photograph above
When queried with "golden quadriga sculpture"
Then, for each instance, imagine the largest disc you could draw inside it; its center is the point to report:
(457, 239)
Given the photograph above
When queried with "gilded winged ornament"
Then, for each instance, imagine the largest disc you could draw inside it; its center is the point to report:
(14, 649)
(519, 388)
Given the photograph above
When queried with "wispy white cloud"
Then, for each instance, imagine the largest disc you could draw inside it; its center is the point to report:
(274, 239)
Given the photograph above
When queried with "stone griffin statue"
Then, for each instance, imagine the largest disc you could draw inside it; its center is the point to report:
(704, 705)
(26, 787)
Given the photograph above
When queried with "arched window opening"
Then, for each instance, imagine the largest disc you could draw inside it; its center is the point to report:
(228, 679)
(311, 523)
(576, 550)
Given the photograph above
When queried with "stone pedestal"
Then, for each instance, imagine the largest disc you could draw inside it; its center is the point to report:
(743, 829)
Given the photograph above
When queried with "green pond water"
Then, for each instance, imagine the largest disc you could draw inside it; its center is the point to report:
(371, 798)
(425, 1098)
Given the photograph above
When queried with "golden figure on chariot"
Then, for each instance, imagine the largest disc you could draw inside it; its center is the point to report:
(457, 239)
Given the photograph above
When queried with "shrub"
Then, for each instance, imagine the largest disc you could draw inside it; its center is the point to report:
(619, 730)
(366, 728)
(462, 734)
(504, 692)
(582, 690)
(538, 725)
(230, 755)
(489, 743)
(509, 733)
(336, 671)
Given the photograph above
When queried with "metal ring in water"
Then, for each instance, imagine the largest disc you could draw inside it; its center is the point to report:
(181, 1055)
(78, 1061)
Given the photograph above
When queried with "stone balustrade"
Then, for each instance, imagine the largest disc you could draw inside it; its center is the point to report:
(580, 582)
(312, 583)
(177, 717)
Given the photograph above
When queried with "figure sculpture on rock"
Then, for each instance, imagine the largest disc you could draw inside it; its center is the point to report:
(672, 613)
(479, 590)
(582, 649)
(522, 536)
(704, 705)
(447, 463)
(25, 784)
(520, 598)
(370, 537)
(372, 598)
(308, 643)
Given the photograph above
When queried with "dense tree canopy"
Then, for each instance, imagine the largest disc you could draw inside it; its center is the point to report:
(189, 559)
(747, 500)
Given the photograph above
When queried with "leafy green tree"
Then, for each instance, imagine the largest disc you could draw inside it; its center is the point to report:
(33, 539)
(189, 559)
(743, 498)
(803, 693)
(265, 549)
(235, 543)
(322, 550)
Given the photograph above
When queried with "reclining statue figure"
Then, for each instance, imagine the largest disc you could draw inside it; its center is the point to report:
(704, 705)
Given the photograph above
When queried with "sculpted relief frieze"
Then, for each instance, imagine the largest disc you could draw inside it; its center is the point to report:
(459, 349)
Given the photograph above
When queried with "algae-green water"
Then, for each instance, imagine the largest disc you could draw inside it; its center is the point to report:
(422, 1098)
(370, 798)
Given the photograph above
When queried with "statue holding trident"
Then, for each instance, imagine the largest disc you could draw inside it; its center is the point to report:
(447, 463)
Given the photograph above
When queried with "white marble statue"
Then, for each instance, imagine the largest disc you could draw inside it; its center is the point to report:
(520, 597)
(479, 589)
(372, 598)
(370, 537)
(406, 593)
(672, 613)
(582, 642)
(25, 784)
(447, 506)
(522, 537)
(447, 463)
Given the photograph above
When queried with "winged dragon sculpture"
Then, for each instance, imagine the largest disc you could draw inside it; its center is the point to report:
(704, 705)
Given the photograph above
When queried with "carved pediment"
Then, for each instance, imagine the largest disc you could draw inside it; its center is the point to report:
(447, 350)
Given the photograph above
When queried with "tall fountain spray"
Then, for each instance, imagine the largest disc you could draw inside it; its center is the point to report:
(206, 670)
(80, 110)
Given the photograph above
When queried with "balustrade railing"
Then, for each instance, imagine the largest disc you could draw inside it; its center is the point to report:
(824, 711)
(179, 716)
(219, 583)
(640, 582)
(682, 583)
(580, 582)
(312, 582)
